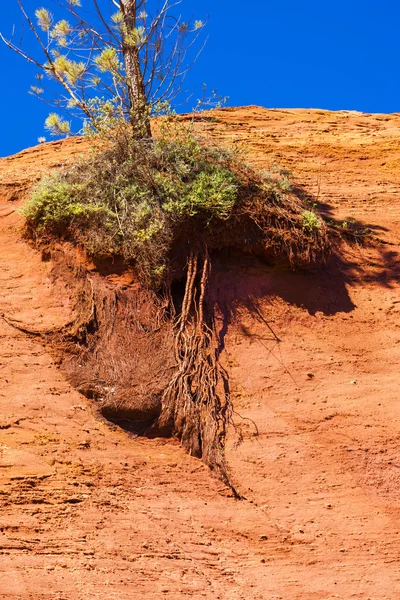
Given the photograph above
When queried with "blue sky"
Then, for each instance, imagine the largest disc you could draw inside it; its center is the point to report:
(336, 55)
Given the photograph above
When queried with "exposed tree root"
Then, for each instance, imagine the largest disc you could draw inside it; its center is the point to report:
(145, 359)
(196, 404)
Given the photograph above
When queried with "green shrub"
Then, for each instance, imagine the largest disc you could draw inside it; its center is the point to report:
(285, 184)
(311, 222)
(54, 203)
(213, 192)
(150, 201)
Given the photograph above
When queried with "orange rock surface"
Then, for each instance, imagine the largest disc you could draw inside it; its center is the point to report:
(88, 512)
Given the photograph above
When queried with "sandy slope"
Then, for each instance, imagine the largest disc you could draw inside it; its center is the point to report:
(87, 512)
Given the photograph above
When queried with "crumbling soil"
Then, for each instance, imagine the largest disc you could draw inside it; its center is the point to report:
(89, 510)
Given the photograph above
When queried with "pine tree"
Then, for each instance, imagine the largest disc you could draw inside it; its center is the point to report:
(124, 65)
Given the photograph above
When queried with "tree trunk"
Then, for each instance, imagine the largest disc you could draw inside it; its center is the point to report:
(139, 116)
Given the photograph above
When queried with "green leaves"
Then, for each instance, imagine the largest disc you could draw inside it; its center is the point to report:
(61, 29)
(133, 203)
(44, 18)
(133, 58)
(60, 32)
(212, 193)
(151, 201)
(69, 70)
(36, 91)
(117, 18)
(56, 125)
(108, 61)
(310, 221)
(135, 37)
(215, 191)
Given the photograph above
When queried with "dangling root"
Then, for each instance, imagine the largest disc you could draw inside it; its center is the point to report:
(196, 404)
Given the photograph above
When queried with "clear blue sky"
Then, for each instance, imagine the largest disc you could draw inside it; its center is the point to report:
(333, 55)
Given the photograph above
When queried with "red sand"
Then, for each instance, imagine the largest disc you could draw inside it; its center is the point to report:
(89, 513)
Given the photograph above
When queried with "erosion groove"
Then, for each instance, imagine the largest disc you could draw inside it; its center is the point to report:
(119, 350)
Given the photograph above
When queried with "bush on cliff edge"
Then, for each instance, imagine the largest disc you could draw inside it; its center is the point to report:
(152, 201)
(165, 205)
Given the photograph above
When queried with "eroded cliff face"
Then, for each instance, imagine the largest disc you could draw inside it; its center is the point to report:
(89, 512)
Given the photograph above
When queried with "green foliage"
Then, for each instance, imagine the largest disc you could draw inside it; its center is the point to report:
(36, 90)
(285, 183)
(44, 19)
(106, 117)
(108, 60)
(152, 200)
(69, 70)
(214, 191)
(282, 177)
(54, 204)
(56, 125)
(132, 59)
(128, 200)
(350, 229)
(310, 221)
